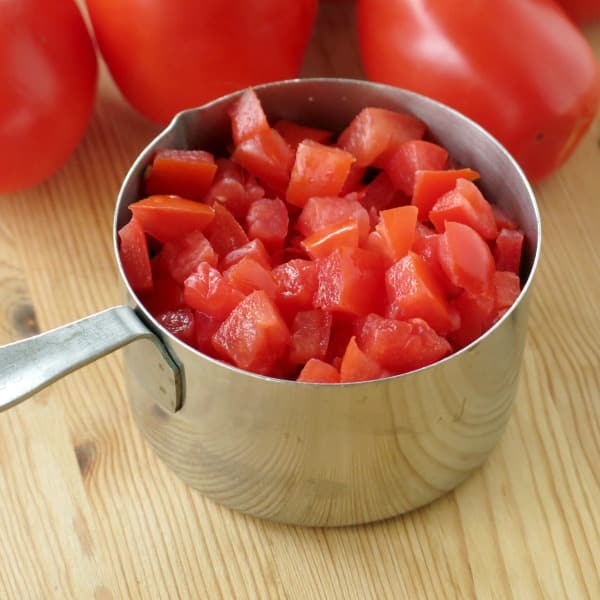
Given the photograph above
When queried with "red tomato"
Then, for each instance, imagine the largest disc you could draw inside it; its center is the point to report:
(248, 275)
(358, 366)
(296, 284)
(325, 241)
(167, 56)
(180, 322)
(181, 257)
(310, 336)
(224, 232)
(318, 371)
(254, 249)
(254, 336)
(507, 250)
(268, 221)
(169, 217)
(581, 11)
(397, 229)
(133, 250)
(48, 72)
(294, 133)
(519, 68)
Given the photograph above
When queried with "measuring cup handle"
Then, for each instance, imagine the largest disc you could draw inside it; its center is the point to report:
(29, 365)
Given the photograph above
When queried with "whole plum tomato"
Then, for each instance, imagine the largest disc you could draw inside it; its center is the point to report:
(48, 71)
(168, 55)
(519, 68)
(581, 11)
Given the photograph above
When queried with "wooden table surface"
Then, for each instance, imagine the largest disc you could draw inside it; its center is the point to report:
(87, 510)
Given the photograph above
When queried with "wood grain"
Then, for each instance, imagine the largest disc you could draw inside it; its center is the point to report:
(87, 511)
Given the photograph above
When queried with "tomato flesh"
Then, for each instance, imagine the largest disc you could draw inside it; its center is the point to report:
(133, 251)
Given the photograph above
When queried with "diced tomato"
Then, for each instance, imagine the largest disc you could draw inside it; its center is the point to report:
(380, 194)
(318, 371)
(508, 249)
(183, 256)
(254, 336)
(465, 204)
(233, 188)
(358, 366)
(133, 251)
(424, 346)
(376, 130)
(248, 275)
(296, 282)
(247, 117)
(318, 170)
(224, 232)
(507, 287)
(503, 220)
(205, 328)
(319, 213)
(165, 295)
(323, 242)
(254, 249)
(427, 247)
(466, 259)
(475, 316)
(349, 280)
(268, 221)
(180, 323)
(185, 173)
(310, 333)
(294, 133)
(413, 291)
(397, 230)
(267, 156)
(354, 180)
(207, 291)
(409, 157)
(430, 185)
(167, 218)
(384, 340)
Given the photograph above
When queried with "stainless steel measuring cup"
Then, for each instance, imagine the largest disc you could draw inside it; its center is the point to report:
(310, 454)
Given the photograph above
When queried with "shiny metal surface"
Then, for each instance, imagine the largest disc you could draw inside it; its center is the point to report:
(338, 454)
(29, 365)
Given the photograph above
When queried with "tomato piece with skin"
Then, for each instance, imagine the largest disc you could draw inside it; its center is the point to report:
(224, 232)
(323, 242)
(466, 259)
(321, 212)
(485, 61)
(318, 371)
(180, 322)
(135, 258)
(318, 170)
(268, 157)
(380, 194)
(207, 291)
(294, 133)
(268, 220)
(476, 312)
(358, 366)
(508, 249)
(247, 117)
(424, 346)
(168, 218)
(234, 188)
(375, 131)
(413, 291)
(185, 173)
(205, 327)
(427, 247)
(310, 333)
(349, 280)
(465, 204)
(248, 275)
(166, 293)
(296, 282)
(183, 256)
(397, 229)
(414, 155)
(430, 185)
(254, 336)
(507, 287)
(254, 249)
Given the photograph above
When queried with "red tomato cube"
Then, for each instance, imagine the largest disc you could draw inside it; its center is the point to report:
(508, 249)
(350, 280)
(180, 322)
(185, 173)
(183, 256)
(310, 333)
(413, 291)
(465, 204)
(397, 229)
(248, 275)
(294, 133)
(323, 242)
(475, 312)
(224, 232)
(133, 251)
(247, 117)
(207, 291)
(358, 366)
(318, 170)
(254, 249)
(376, 130)
(254, 336)
(268, 221)
(318, 371)
(296, 282)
